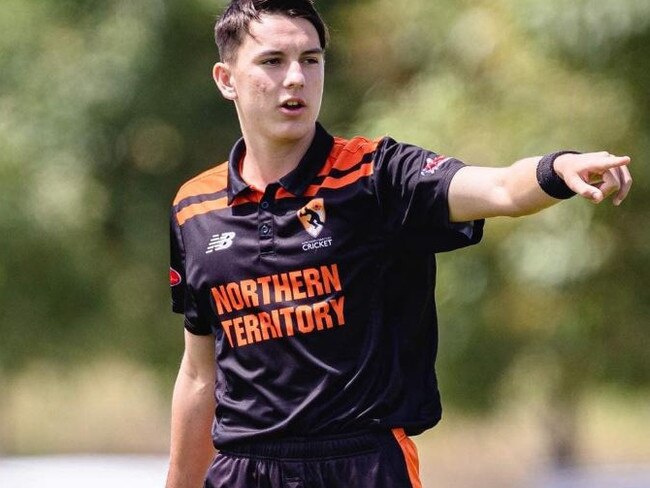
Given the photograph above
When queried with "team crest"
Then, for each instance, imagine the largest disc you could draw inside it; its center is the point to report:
(312, 216)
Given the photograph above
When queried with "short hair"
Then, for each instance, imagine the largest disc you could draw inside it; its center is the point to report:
(236, 18)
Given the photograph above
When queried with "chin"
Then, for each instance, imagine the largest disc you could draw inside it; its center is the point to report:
(294, 131)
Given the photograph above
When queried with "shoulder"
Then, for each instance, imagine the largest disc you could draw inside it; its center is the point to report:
(380, 147)
(211, 181)
(356, 145)
(348, 153)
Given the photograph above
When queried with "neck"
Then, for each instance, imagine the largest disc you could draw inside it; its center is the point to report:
(266, 162)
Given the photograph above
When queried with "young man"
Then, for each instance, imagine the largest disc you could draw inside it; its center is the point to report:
(305, 270)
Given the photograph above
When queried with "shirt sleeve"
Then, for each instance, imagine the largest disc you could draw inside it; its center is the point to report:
(412, 187)
(183, 300)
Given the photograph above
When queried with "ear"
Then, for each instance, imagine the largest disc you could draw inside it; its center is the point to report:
(222, 75)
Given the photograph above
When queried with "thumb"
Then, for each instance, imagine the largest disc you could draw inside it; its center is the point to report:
(584, 189)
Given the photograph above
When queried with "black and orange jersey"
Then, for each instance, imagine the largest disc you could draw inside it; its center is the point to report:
(319, 290)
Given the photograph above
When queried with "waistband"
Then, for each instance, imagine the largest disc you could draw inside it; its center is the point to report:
(302, 448)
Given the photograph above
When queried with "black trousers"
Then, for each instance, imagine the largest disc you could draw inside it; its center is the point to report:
(368, 460)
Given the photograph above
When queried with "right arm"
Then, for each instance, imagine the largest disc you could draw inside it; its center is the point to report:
(193, 406)
(480, 192)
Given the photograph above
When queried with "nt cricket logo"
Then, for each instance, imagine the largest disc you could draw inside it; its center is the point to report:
(312, 216)
(219, 242)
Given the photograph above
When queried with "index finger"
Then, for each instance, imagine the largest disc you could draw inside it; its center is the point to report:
(614, 162)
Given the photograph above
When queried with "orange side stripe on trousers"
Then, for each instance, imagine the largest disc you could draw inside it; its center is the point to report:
(410, 456)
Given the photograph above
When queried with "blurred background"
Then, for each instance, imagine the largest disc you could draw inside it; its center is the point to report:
(107, 106)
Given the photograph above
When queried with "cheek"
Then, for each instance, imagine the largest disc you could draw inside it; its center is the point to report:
(257, 86)
(316, 79)
(261, 88)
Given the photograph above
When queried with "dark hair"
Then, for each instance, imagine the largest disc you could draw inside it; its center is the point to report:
(235, 21)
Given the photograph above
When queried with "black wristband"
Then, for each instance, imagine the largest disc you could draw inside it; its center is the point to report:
(549, 180)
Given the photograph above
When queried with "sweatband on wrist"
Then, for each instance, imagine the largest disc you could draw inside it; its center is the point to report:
(549, 181)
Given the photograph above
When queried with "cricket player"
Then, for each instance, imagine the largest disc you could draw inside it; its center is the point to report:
(304, 267)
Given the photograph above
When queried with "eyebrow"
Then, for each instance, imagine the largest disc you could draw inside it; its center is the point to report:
(272, 52)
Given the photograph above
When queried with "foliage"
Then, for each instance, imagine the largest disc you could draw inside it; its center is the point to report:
(106, 107)
(550, 300)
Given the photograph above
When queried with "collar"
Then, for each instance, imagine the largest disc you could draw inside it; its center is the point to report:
(295, 182)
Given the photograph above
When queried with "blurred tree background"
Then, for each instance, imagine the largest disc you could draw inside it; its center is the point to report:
(106, 107)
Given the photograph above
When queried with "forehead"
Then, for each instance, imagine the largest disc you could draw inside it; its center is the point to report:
(279, 33)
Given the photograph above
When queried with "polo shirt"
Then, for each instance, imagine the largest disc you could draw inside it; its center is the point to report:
(319, 290)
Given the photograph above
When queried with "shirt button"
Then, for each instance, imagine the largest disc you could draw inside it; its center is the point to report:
(265, 230)
(265, 205)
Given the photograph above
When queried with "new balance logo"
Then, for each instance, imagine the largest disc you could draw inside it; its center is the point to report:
(219, 242)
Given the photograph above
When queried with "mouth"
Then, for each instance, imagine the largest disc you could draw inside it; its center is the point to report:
(293, 105)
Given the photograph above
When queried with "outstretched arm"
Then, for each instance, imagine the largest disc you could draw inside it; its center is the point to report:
(480, 192)
(193, 407)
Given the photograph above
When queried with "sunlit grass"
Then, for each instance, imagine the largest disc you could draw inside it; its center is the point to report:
(108, 406)
(116, 406)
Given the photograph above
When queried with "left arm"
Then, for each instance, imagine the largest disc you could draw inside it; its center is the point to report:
(479, 192)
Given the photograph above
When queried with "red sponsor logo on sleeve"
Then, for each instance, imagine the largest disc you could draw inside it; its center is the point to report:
(431, 165)
(174, 277)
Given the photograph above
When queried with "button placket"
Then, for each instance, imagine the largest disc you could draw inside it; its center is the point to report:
(266, 226)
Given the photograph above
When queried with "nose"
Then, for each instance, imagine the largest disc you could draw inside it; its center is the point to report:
(295, 78)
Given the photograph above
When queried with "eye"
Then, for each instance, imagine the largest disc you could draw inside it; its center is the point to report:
(311, 60)
(271, 62)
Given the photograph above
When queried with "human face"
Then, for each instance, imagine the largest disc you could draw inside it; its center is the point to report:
(276, 80)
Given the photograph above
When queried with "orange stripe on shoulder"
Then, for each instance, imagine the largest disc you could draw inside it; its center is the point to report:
(210, 181)
(331, 183)
(200, 208)
(347, 153)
